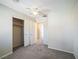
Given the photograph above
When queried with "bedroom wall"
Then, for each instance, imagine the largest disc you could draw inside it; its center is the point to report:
(6, 36)
(62, 27)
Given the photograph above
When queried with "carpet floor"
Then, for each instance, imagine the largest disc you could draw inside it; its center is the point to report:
(39, 52)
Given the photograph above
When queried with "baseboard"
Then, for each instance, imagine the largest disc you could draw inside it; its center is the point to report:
(76, 57)
(6, 55)
(60, 50)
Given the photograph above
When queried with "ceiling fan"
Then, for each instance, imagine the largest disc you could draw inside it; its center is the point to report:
(38, 11)
(16, 0)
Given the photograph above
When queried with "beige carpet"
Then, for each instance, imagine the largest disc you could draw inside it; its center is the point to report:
(39, 52)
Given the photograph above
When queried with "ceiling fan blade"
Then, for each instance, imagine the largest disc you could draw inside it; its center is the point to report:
(16, 0)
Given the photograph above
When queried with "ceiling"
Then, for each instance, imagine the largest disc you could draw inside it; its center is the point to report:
(45, 5)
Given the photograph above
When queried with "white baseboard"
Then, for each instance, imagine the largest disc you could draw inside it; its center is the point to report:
(6, 55)
(76, 56)
(60, 50)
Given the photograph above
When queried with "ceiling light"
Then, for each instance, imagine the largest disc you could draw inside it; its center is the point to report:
(35, 13)
(16, 0)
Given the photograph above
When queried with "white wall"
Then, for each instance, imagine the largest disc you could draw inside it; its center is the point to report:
(62, 26)
(32, 31)
(76, 31)
(29, 31)
(6, 36)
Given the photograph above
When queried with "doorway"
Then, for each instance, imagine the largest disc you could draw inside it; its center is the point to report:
(18, 33)
(41, 33)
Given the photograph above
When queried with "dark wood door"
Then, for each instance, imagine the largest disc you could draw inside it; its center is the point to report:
(18, 39)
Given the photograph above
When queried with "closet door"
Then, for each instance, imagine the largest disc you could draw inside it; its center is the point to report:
(17, 36)
(17, 33)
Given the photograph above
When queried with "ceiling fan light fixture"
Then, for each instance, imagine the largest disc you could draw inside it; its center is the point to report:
(35, 13)
(16, 0)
